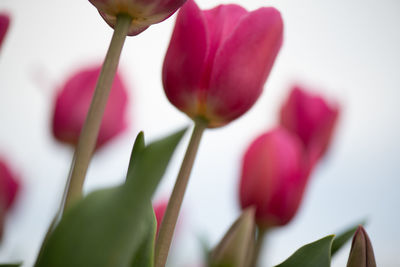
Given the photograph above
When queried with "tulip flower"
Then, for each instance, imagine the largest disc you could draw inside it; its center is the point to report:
(72, 104)
(8, 190)
(273, 177)
(143, 12)
(219, 59)
(311, 118)
(4, 24)
(361, 252)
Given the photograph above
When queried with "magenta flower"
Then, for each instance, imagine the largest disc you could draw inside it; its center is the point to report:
(219, 59)
(159, 210)
(72, 104)
(9, 186)
(311, 118)
(273, 177)
(4, 24)
(143, 12)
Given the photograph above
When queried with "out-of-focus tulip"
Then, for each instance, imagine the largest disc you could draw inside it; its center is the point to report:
(159, 210)
(219, 59)
(4, 23)
(311, 118)
(72, 104)
(143, 12)
(273, 177)
(8, 190)
(361, 253)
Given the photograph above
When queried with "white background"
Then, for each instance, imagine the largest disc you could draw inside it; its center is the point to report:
(345, 50)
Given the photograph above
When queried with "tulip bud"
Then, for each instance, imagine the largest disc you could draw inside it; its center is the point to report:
(236, 247)
(8, 190)
(273, 177)
(361, 253)
(311, 118)
(219, 59)
(4, 24)
(143, 12)
(72, 104)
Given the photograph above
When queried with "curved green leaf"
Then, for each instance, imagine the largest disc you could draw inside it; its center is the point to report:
(316, 254)
(138, 148)
(108, 226)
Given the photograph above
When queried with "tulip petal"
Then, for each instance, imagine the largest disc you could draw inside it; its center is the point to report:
(243, 63)
(311, 118)
(166, 6)
(184, 61)
(221, 21)
(9, 186)
(72, 104)
(273, 177)
(4, 24)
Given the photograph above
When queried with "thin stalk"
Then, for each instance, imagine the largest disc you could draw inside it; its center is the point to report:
(262, 231)
(88, 137)
(174, 204)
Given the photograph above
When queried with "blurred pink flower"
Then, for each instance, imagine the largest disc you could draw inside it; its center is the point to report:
(72, 104)
(219, 59)
(9, 186)
(273, 177)
(4, 24)
(311, 118)
(143, 12)
(159, 210)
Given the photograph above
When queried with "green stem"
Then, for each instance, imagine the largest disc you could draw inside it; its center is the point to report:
(259, 245)
(88, 137)
(174, 204)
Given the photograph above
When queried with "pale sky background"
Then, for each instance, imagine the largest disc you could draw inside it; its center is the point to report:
(345, 50)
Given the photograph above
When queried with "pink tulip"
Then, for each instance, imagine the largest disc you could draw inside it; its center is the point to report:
(8, 190)
(159, 210)
(219, 59)
(4, 24)
(273, 177)
(72, 104)
(143, 12)
(311, 118)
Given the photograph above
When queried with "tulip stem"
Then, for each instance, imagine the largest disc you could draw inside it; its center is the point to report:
(262, 231)
(90, 130)
(174, 204)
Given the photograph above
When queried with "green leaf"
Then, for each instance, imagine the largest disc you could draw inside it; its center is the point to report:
(144, 256)
(11, 264)
(343, 237)
(106, 228)
(137, 149)
(316, 254)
